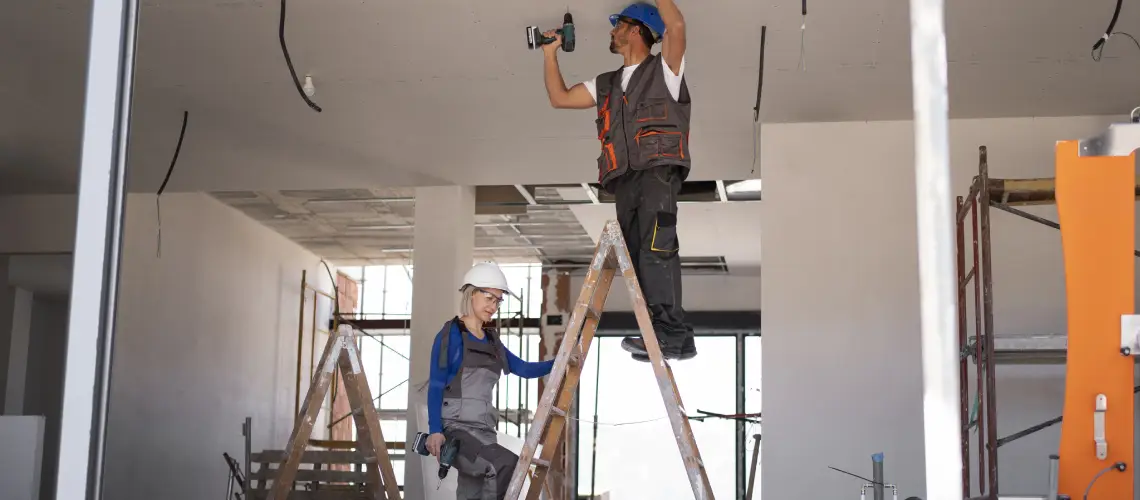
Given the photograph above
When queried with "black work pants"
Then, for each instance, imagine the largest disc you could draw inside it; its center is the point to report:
(646, 204)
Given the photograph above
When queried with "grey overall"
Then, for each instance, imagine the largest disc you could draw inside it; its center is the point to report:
(469, 415)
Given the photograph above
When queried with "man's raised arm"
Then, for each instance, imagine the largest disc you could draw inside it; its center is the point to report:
(673, 43)
(577, 97)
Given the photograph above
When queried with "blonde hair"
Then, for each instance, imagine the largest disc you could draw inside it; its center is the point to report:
(468, 295)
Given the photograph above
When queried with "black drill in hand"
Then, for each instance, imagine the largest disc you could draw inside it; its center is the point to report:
(447, 454)
(535, 38)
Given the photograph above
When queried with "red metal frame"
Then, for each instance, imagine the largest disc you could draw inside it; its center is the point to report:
(977, 204)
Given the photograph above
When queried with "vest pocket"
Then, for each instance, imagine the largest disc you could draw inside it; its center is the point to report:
(657, 145)
(651, 110)
(607, 160)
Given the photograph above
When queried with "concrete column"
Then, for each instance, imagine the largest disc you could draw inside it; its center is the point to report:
(442, 253)
(21, 331)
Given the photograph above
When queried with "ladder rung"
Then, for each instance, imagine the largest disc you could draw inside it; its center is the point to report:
(593, 313)
(541, 463)
(576, 356)
(558, 411)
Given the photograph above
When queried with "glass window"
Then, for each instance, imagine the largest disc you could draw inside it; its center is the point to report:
(516, 393)
(631, 416)
(398, 292)
(752, 397)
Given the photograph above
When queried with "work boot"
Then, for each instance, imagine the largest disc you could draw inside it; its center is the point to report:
(672, 347)
(688, 351)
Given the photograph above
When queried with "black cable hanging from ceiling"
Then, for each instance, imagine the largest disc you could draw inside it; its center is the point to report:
(289, 61)
(1111, 24)
(759, 94)
(169, 170)
(1102, 42)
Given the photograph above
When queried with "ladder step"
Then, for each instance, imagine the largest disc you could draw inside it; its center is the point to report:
(593, 313)
(558, 411)
(576, 356)
(540, 462)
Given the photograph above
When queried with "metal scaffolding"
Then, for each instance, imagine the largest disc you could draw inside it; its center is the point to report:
(985, 348)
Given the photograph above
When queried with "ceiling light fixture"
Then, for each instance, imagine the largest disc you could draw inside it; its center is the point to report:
(746, 186)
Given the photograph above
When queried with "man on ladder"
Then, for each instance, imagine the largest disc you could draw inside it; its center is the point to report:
(643, 123)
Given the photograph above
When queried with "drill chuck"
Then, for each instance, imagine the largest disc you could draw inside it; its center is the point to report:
(447, 456)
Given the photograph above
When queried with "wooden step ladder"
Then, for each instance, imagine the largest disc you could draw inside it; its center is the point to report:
(340, 353)
(610, 256)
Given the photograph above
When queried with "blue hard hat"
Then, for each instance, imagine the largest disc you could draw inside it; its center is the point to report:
(647, 14)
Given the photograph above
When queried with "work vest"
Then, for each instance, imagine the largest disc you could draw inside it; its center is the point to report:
(468, 399)
(644, 126)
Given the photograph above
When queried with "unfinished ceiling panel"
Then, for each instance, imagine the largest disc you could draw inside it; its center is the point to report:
(515, 223)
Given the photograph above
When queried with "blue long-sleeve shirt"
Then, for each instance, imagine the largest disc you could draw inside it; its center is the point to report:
(438, 378)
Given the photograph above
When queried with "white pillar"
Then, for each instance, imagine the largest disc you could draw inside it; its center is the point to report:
(937, 282)
(98, 248)
(442, 252)
(21, 333)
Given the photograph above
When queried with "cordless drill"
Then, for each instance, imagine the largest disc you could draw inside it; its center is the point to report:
(446, 455)
(535, 39)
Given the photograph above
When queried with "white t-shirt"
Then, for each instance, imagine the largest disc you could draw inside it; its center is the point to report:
(671, 80)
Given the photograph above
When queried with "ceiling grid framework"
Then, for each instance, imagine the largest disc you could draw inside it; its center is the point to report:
(513, 224)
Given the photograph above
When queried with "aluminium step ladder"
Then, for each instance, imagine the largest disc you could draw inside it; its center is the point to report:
(611, 255)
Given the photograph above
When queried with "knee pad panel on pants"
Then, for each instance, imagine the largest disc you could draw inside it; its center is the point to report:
(503, 461)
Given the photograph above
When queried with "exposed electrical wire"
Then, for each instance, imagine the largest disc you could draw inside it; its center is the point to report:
(289, 61)
(854, 475)
(1097, 53)
(169, 170)
(336, 307)
(803, 28)
(1111, 24)
(1118, 466)
(617, 424)
(759, 94)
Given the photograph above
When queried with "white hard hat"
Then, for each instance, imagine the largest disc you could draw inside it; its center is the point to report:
(486, 275)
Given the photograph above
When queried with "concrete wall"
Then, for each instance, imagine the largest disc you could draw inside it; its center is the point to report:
(842, 364)
(7, 296)
(206, 336)
(43, 392)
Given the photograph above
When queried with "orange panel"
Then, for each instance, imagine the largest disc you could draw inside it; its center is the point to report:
(1096, 203)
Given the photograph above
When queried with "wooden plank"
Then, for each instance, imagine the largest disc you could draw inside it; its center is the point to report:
(316, 457)
(321, 494)
(1031, 191)
(1097, 211)
(322, 475)
(352, 445)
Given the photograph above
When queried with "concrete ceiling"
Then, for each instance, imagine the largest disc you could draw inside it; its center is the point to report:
(444, 91)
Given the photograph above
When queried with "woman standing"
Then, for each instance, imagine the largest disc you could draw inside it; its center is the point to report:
(467, 359)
